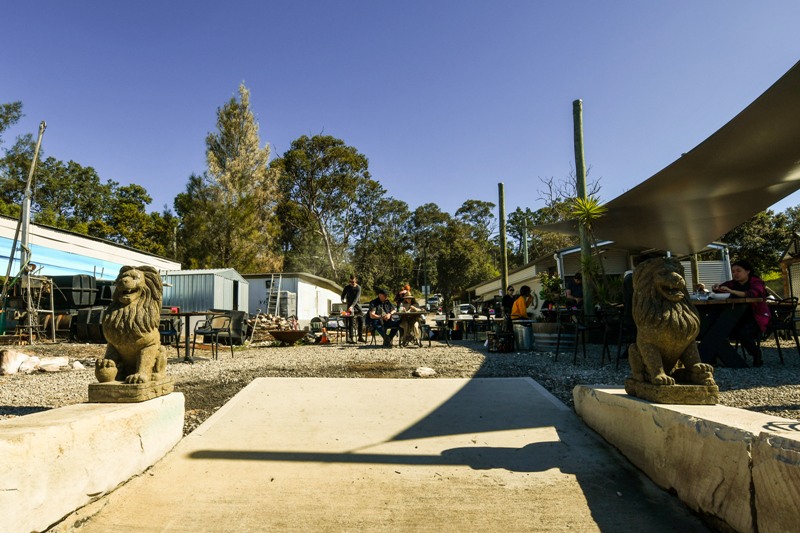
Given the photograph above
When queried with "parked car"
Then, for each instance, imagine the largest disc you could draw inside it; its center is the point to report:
(434, 303)
(466, 309)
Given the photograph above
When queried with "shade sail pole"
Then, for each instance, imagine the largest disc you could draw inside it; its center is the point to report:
(580, 190)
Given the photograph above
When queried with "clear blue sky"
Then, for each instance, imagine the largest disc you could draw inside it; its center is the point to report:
(445, 98)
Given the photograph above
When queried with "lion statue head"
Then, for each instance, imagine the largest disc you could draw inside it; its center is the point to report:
(136, 302)
(667, 325)
(130, 326)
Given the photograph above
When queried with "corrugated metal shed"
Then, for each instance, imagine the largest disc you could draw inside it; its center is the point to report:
(200, 290)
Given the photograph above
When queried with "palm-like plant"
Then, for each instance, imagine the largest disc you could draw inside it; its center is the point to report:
(587, 211)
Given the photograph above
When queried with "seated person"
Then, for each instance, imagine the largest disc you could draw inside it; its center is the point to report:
(520, 308)
(575, 290)
(746, 284)
(380, 316)
(409, 325)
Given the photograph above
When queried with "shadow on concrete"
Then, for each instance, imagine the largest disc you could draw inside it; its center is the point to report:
(619, 497)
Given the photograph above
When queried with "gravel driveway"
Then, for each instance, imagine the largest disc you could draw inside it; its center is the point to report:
(772, 389)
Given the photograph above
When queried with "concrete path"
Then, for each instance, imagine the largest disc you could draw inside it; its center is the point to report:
(311, 454)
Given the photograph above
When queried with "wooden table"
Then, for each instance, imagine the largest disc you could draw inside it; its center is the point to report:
(718, 318)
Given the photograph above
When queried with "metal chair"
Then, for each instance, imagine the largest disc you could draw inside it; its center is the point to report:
(783, 320)
(212, 327)
(170, 331)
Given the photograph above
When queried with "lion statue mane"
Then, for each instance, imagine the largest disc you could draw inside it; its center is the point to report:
(667, 325)
(130, 325)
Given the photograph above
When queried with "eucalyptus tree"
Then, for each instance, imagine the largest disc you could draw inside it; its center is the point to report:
(428, 223)
(10, 114)
(320, 179)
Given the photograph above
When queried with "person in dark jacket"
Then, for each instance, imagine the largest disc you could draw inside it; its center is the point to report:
(351, 294)
(382, 316)
(508, 301)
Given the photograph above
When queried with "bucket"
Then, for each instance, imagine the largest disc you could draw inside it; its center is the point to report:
(523, 337)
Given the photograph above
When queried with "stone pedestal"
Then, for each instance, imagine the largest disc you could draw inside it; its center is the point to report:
(673, 394)
(118, 392)
(59, 460)
(736, 466)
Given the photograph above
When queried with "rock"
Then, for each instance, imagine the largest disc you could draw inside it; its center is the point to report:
(31, 364)
(53, 364)
(76, 365)
(11, 360)
(424, 372)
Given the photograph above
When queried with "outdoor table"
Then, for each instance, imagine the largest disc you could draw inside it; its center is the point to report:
(718, 318)
(187, 329)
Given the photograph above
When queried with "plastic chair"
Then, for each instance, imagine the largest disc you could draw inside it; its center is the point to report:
(212, 327)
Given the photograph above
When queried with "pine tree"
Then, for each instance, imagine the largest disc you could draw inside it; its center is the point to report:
(228, 213)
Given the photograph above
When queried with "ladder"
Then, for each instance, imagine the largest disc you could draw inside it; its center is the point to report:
(274, 294)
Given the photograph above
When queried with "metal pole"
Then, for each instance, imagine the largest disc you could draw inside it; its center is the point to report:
(503, 245)
(26, 202)
(580, 189)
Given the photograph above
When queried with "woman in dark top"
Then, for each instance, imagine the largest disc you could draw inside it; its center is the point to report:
(746, 284)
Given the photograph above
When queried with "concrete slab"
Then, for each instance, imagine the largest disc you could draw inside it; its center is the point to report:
(315, 454)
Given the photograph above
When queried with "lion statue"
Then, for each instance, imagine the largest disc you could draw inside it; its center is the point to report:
(667, 325)
(130, 325)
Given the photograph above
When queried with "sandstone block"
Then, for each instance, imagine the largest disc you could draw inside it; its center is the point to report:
(118, 392)
(56, 461)
(673, 394)
(696, 450)
(776, 480)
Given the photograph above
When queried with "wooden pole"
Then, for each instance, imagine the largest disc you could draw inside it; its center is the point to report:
(503, 245)
(580, 189)
(525, 245)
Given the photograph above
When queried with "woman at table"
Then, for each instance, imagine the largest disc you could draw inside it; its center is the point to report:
(519, 311)
(409, 324)
(746, 284)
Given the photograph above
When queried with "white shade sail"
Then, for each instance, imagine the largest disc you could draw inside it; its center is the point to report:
(751, 163)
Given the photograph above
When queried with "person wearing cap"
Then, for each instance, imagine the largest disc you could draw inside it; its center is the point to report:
(409, 325)
(380, 316)
(575, 289)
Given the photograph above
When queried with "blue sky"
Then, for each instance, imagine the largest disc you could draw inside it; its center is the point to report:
(445, 98)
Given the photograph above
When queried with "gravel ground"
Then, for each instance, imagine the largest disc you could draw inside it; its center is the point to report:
(772, 389)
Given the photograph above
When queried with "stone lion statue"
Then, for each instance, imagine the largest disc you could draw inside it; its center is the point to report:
(667, 325)
(130, 325)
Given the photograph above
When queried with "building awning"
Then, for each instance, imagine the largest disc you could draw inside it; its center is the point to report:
(751, 163)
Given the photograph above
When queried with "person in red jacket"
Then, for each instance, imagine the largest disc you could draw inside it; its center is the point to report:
(746, 284)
